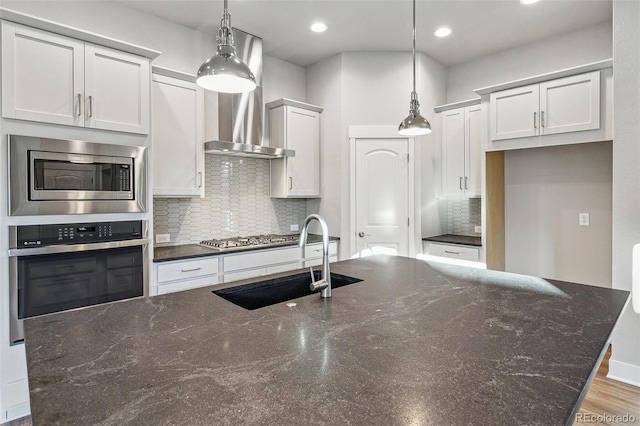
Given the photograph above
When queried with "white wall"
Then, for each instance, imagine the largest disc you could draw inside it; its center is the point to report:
(564, 51)
(545, 189)
(282, 79)
(367, 88)
(625, 358)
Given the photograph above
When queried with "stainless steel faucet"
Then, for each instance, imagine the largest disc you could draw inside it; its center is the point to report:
(324, 283)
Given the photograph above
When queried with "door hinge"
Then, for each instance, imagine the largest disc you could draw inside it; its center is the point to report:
(407, 221)
(407, 158)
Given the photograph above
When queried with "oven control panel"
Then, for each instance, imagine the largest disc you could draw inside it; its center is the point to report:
(77, 233)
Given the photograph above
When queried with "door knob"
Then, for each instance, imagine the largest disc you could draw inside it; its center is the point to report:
(362, 234)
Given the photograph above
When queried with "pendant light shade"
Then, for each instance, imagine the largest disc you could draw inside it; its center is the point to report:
(224, 71)
(415, 124)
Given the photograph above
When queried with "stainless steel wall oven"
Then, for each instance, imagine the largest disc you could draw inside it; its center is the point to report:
(57, 267)
(52, 176)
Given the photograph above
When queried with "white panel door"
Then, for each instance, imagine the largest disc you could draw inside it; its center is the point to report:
(42, 76)
(513, 113)
(177, 140)
(303, 136)
(473, 151)
(453, 152)
(116, 90)
(570, 104)
(382, 196)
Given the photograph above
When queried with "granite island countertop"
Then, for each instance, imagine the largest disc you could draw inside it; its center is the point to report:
(413, 343)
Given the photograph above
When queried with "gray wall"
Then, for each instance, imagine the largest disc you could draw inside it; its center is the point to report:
(625, 359)
(545, 189)
(575, 48)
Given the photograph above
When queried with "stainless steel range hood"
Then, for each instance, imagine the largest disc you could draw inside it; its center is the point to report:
(240, 115)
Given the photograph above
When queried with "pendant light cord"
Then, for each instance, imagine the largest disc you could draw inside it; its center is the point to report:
(414, 45)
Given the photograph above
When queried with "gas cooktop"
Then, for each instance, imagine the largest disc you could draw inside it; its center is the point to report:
(254, 241)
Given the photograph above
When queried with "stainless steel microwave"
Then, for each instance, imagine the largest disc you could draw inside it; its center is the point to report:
(52, 176)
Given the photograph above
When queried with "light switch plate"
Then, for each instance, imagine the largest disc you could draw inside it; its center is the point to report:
(295, 227)
(583, 219)
(478, 229)
(163, 238)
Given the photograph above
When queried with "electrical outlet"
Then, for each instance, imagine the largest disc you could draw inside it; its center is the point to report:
(163, 238)
(583, 219)
(478, 229)
(295, 228)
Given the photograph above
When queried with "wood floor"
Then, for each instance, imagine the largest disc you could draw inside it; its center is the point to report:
(609, 398)
(605, 400)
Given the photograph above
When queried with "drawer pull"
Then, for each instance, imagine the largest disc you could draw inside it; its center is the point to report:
(191, 270)
(452, 252)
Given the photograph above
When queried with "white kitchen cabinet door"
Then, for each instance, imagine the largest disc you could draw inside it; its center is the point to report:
(570, 104)
(116, 90)
(461, 151)
(453, 152)
(473, 150)
(295, 125)
(42, 76)
(513, 113)
(177, 141)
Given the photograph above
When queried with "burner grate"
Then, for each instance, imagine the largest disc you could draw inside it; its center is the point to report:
(269, 240)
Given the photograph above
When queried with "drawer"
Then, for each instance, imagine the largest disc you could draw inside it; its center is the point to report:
(184, 269)
(318, 262)
(261, 258)
(454, 251)
(314, 251)
(244, 275)
(188, 284)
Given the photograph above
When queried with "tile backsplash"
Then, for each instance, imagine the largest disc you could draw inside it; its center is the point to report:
(236, 203)
(463, 216)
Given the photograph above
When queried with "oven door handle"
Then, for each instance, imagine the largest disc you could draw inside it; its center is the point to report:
(71, 248)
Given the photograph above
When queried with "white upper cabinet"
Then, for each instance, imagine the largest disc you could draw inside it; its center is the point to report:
(116, 90)
(177, 136)
(295, 125)
(461, 151)
(563, 105)
(56, 79)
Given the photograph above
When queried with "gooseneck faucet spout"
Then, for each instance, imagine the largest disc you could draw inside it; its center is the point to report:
(324, 283)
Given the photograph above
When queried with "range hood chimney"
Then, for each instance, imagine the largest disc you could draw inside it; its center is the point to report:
(240, 114)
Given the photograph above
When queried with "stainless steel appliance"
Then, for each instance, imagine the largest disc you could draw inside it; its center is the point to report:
(57, 267)
(51, 176)
(240, 115)
(254, 241)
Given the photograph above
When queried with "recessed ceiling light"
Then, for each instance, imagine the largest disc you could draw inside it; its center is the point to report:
(528, 1)
(318, 27)
(442, 32)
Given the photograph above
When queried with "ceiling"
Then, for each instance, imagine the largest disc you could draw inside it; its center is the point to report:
(480, 27)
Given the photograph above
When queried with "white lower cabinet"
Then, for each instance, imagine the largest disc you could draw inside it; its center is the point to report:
(454, 251)
(243, 266)
(181, 275)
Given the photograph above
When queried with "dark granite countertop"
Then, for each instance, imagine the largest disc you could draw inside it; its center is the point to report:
(467, 240)
(186, 251)
(413, 343)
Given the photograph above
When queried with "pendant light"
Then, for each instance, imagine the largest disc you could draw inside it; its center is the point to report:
(224, 71)
(415, 124)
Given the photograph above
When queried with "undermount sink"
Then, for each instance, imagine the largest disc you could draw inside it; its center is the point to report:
(269, 292)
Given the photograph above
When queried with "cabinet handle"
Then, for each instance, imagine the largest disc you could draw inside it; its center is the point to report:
(452, 252)
(190, 270)
(541, 118)
(460, 184)
(466, 181)
(79, 104)
(535, 120)
(290, 183)
(199, 179)
(90, 106)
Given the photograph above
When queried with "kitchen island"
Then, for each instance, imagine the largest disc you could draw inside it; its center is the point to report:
(412, 343)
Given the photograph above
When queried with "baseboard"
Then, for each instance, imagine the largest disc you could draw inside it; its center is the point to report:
(624, 372)
(16, 412)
